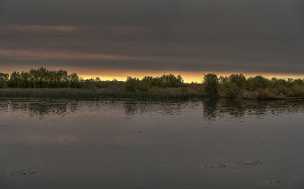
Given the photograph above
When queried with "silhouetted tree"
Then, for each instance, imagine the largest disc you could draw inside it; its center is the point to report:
(3, 80)
(211, 83)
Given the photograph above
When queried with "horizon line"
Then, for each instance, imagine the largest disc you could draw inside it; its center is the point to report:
(123, 74)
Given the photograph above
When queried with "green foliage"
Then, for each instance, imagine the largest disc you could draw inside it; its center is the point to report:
(3, 80)
(233, 86)
(258, 82)
(230, 90)
(43, 78)
(211, 83)
(148, 82)
(132, 84)
(238, 86)
(238, 79)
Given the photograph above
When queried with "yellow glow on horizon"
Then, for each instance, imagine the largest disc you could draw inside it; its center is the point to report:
(121, 75)
(194, 76)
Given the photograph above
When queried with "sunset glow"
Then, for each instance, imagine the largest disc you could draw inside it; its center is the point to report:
(121, 75)
(189, 77)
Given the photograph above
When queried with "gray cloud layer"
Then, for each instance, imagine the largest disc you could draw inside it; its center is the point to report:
(224, 35)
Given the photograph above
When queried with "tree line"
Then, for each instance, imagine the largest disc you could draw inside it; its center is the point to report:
(238, 86)
(43, 78)
(39, 78)
(233, 86)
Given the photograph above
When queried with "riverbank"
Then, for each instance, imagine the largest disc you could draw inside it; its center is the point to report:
(155, 93)
(120, 92)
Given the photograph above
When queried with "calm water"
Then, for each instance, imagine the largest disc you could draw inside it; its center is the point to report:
(155, 145)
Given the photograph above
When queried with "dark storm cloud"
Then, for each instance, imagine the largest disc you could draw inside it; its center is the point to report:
(224, 35)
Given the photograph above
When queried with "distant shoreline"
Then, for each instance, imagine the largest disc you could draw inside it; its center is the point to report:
(43, 83)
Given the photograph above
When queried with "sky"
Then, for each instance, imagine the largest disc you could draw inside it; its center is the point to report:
(116, 38)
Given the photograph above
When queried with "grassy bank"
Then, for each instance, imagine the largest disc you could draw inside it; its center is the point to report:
(119, 93)
(155, 93)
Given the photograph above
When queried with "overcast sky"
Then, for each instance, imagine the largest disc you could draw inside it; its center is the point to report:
(184, 35)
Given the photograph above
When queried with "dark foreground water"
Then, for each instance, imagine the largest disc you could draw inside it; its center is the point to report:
(151, 145)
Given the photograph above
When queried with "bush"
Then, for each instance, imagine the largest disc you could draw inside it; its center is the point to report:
(231, 90)
(239, 80)
(257, 82)
(132, 84)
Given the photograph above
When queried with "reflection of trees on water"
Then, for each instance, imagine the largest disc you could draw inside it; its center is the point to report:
(241, 108)
(218, 108)
(168, 108)
(39, 108)
(212, 109)
(3, 106)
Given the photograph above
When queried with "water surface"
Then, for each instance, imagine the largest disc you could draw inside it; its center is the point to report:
(135, 144)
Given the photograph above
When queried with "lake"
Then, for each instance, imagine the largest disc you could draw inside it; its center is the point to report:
(131, 144)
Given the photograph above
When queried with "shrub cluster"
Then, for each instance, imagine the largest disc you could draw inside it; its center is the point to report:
(165, 81)
(238, 86)
(43, 78)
